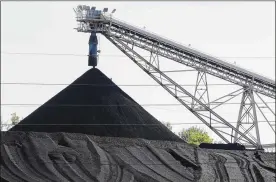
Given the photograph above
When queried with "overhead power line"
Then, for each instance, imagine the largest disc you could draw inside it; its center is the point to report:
(104, 105)
(99, 124)
(108, 85)
(42, 54)
(120, 124)
(116, 55)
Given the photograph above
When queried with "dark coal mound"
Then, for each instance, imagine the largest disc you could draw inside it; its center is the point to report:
(64, 157)
(94, 105)
(228, 146)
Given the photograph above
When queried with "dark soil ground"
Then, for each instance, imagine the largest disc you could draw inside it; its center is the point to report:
(67, 157)
(94, 105)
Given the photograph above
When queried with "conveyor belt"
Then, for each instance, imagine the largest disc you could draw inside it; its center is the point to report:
(192, 51)
(111, 26)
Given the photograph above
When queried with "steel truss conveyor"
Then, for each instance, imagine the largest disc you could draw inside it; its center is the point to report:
(127, 38)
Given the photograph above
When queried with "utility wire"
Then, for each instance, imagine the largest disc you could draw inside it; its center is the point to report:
(107, 85)
(119, 124)
(43, 54)
(104, 105)
(108, 55)
(100, 124)
(60, 54)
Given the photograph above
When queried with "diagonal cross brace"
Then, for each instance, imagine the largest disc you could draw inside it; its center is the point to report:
(124, 48)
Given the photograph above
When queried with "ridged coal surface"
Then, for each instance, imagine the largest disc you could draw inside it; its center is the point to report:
(94, 105)
(55, 157)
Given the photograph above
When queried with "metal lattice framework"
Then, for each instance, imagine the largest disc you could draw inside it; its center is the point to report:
(129, 39)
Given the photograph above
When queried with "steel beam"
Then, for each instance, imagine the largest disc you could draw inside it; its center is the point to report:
(178, 92)
(127, 40)
(191, 61)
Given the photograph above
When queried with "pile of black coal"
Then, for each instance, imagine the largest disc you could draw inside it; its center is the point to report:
(228, 146)
(94, 105)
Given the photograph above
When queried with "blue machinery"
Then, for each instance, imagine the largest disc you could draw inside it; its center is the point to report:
(85, 12)
(93, 50)
(130, 39)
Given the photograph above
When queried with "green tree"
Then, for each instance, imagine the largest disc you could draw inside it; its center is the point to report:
(11, 122)
(14, 119)
(168, 125)
(195, 136)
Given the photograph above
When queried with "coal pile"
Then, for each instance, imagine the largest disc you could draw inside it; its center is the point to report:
(55, 157)
(228, 146)
(94, 105)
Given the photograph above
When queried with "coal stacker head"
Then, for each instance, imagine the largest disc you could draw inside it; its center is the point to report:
(93, 46)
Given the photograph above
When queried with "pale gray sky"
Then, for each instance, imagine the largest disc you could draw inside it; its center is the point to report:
(241, 32)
